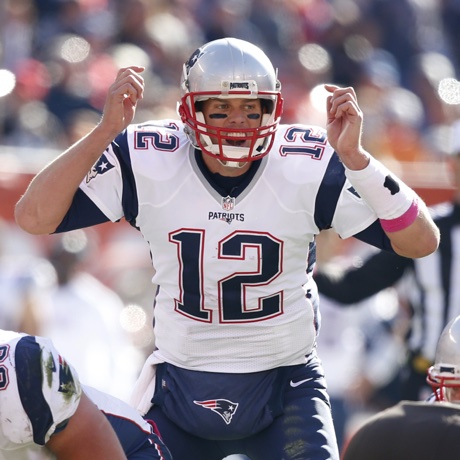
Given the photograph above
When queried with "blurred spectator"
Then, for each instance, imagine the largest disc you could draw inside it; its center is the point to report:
(450, 13)
(373, 45)
(131, 278)
(83, 318)
(23, 276)
(17, 21)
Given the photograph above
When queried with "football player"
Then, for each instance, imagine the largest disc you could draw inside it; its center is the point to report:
(410, 429)
(419, 429)
(229, 202)
(444, 375)
(45, 411)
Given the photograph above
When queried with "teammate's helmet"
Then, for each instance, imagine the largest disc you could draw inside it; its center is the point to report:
(230, 68)
(444, 375)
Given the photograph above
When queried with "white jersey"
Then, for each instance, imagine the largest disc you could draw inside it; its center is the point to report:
(234, 271)
(39, 392)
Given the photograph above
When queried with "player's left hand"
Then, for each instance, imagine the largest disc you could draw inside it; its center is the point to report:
(344, 126)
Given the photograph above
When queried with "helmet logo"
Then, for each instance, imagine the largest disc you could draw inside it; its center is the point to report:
(250, 86)
(239, 85)
(193, 59)
(450, 369)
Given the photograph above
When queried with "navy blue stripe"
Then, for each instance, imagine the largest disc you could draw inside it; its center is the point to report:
(313, 297)
(29, 376)
(129, 199)
(311, 256)
(375, 236)
(132, 437)
(224, 185)
(82, 213)
(329, 193)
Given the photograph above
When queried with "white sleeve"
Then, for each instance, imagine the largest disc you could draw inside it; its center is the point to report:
(61, 385)
(42, 391)
(352, 214)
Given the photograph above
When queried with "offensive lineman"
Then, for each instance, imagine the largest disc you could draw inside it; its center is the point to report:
(229, 202)
(42, 403)
(425, 430)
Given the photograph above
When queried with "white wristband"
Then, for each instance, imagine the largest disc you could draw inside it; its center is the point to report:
(388, 196)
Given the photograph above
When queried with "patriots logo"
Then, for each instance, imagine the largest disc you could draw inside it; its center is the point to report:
(193, 58)
(101, 167)
(66, 381)
(239, 85)
(229, 220)
(223, 407)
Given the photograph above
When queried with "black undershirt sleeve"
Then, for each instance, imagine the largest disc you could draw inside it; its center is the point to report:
(380, 271)
(375, 236)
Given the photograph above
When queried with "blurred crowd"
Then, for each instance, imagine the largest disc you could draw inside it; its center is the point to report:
(57, 60)
(58, 57)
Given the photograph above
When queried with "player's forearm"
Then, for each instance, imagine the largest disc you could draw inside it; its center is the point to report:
(49, 195)
(419, 239)
(88, 435)
(352, 285)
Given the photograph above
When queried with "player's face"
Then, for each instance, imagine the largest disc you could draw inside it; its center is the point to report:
(232, 114)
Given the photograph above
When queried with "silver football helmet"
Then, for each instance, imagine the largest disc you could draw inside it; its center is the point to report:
(230, 68)
(444, 375)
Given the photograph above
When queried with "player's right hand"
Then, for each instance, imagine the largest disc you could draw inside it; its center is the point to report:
(122, 98)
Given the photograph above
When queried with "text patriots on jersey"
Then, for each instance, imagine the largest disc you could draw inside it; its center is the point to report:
(228, 217)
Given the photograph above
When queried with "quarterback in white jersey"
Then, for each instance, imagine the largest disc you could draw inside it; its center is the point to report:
(229, 202)
(256, 247)
(40, 395)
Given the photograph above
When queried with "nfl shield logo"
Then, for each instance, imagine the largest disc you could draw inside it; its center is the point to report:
(228, 203)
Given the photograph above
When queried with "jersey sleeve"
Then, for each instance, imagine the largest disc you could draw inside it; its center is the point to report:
(352, 214)
(39, 394)
(104, 184)
(337, 204)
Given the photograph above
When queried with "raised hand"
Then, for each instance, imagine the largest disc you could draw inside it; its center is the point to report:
(344, 126)
(122, 98)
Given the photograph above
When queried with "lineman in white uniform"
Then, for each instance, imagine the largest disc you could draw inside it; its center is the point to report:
(229, 202)
(41, 399)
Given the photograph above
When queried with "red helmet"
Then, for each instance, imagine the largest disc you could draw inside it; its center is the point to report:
(230, 68)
